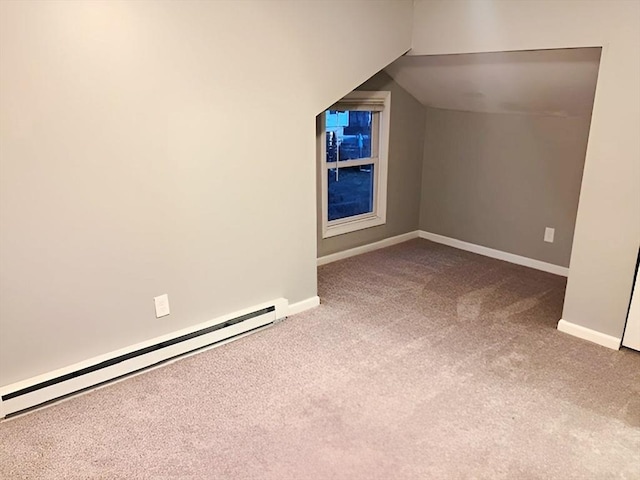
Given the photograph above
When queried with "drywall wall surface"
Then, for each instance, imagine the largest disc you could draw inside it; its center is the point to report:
(405, 164)
(498, 180)
(368, 33)
(607, 230)
(163, 147)
(558, 82)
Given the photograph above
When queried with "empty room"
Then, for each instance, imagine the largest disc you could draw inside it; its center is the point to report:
(280, 239)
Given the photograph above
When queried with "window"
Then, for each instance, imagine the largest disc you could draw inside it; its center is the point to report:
(353, 158)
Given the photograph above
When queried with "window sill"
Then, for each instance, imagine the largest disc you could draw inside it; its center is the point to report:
(352, 226)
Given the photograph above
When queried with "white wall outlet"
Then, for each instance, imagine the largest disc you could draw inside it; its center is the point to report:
(162, 305)
(549, 233)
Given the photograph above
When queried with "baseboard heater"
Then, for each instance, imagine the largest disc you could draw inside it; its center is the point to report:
(34, 392)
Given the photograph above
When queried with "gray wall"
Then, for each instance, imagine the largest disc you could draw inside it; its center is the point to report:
(405, 164)
(498, 180)
(607, 231)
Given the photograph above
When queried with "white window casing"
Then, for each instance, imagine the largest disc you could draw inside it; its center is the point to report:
(380, 104)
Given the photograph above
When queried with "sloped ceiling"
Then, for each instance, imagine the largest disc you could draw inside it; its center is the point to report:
(538, 82)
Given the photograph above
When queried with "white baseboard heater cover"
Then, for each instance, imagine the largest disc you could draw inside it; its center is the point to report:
(55, 385)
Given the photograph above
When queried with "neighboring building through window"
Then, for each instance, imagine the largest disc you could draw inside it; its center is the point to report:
(354, 158)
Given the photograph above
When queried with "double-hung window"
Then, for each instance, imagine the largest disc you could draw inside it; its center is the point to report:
(354, 156)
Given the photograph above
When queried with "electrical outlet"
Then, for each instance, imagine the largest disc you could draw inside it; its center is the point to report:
(549, 233)
(162, 305)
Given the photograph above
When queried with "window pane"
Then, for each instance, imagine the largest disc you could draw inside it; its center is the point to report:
(350, 191)
(350, 133)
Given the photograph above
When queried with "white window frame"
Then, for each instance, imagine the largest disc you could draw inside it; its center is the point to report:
(380, 102)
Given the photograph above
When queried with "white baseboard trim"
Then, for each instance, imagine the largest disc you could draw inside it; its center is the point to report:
(500, 255)
(300, 307)
(589, 335)
(370, 247)
(95, 371)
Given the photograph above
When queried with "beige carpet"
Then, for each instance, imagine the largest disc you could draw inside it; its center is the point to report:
(423, 362)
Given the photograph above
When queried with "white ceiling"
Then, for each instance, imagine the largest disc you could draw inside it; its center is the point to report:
(537, 82)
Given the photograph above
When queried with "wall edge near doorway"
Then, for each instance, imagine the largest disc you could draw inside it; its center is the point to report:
(589, 335)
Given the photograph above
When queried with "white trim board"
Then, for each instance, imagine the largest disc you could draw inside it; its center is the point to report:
(590, 335)
(498, 254)
(95, 371)
(370, 247)
(300, 307)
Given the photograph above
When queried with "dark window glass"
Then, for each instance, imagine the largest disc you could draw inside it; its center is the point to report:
(350, 191)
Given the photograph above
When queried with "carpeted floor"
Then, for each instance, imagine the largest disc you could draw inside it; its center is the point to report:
(423, 362)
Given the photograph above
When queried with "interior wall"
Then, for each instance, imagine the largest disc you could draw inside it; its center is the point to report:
(607, 232)
(163, 147)
(405, 164)
(498, 180)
